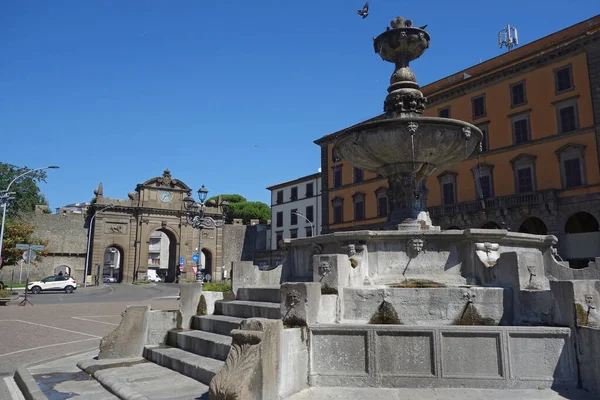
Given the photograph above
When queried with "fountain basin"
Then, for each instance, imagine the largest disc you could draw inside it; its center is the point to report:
(404, 145)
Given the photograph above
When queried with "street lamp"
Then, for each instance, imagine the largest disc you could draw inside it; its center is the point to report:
(5, 197)
(312, 228)
(195, 217)
(87, 254)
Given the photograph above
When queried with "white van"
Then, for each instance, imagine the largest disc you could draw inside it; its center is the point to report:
(152, 276)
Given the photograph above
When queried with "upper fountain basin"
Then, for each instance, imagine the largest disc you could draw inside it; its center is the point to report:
(401, 45)
(386, 147)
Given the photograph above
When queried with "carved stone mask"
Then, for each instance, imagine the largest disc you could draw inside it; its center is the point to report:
(531, 270)
(293, 298)
(324, 268)
(589, 301)
(416, 245)
(351, 250)
(469, 297)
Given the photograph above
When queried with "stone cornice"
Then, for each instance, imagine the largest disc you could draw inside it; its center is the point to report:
(512, 70)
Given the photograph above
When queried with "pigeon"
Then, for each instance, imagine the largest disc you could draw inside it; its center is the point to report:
(423, 27)
(365, 11)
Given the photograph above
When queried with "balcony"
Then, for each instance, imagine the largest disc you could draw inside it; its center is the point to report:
(495, 203)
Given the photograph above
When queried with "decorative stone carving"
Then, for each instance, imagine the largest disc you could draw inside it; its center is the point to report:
(534, 281)
(415, 246)
(302, 302)
(555, 255)
(469, 297)
(99, 192)
(592, 316)
(165, 180)
(163, 224)
(251, 364)
(412, 127)
(355, 253)
(115, 228)
(133, 195)
(292, 298)
(324, 268)
(466, 132)
(488, 253)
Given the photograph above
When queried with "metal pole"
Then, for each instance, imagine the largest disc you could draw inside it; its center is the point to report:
(21, 271)
(199, 264)
(312, 228)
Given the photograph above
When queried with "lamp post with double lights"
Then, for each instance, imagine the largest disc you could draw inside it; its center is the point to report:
(196, 217)
(6, 195)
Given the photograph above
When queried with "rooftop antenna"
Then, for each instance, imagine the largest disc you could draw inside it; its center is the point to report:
(508, 37)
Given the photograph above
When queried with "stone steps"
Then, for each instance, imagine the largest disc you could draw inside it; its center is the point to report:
(202, 343)
(248, 309)
(269, 294)
(221, 324)
(200, 368)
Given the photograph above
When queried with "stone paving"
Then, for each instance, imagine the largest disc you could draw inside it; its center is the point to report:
(339, 393)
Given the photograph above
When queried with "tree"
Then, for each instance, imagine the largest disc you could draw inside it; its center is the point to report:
(27, 193)
(16, 232)
(239, 207)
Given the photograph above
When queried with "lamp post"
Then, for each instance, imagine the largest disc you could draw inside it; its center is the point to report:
(87, 254)
(5, 197)
(195, 217)
(312, 227)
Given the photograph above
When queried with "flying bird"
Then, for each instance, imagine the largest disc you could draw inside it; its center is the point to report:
(364, 12)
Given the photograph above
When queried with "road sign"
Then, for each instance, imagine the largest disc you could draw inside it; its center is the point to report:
(208, 277)
(181, 268)
(37, 247)
(21, 246)
(181, 261)
(195, 269)
(29, 255)
(195, 258)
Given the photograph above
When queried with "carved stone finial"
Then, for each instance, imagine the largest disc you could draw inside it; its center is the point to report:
(99, 192)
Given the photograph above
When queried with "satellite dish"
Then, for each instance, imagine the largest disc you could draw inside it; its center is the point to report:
(208, 277)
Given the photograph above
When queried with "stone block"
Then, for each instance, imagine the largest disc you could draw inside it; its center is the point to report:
(340, 352)
(300, 304)
(129, 338)
(293, 359)
(589, 358)
(211, 298)
(188, 303)
(331, 271)
(246, 274)
(328, 309)
(159, 324)
(405, 353)
(472, 355)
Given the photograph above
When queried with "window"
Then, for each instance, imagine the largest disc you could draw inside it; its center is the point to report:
(563, 78)
(308, 232)
(359, 206)
(520, 125)
(517, 94)
(382, 202)
(279, 196)
(310, 190)
(358, 175)
(338, 210)
(448, 185)
(278, 238)
(478, 105)
(294, 195)
(485, 141)
(279, 219)
(293, 233)
(567, 115)
(572, 165)
(335, 157)
(309, 213)
(444, 112)
(337, 176)
(524, 173)
(293, 217)
(484, 182)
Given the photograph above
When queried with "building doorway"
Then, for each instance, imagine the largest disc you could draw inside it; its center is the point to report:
(490, 225)
(65, 269)
(206, 262)
(113, 263)
(534, 226)
(162, 254)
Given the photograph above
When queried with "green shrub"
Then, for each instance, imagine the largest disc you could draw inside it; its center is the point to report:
(142, 282)
(202, 306)
(4, 293)
(216, 287)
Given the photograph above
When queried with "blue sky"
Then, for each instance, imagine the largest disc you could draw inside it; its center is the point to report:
(226, 93)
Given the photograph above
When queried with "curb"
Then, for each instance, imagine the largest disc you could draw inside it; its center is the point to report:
(117, 387)
(28, 385)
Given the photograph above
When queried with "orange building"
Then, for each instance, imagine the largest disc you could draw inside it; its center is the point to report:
(539, 172)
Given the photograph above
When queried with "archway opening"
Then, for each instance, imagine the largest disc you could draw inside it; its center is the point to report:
(65, 269)
(579, 245)
(206, 263)
(162, 255)
(113, 264)
(490, 225)
(534, 226)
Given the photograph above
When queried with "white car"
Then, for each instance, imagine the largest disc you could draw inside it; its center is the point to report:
(53, 283)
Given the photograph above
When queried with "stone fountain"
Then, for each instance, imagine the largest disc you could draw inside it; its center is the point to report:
(406, 147)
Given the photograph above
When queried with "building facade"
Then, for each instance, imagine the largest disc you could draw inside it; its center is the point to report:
(293, 205)
(74, 208)
(131, 226)
(538, 172)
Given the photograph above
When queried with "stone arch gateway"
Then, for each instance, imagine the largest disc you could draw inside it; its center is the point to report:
(155, 205)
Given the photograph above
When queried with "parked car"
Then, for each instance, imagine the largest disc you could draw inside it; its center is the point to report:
(109, 279)
(53, 283)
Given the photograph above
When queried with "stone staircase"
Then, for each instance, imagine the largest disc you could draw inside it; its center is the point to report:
(200, 352)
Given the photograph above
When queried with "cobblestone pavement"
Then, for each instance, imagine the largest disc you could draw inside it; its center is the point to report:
(32, 334)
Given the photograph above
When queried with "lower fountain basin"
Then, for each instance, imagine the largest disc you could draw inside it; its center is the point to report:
(428, 306)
